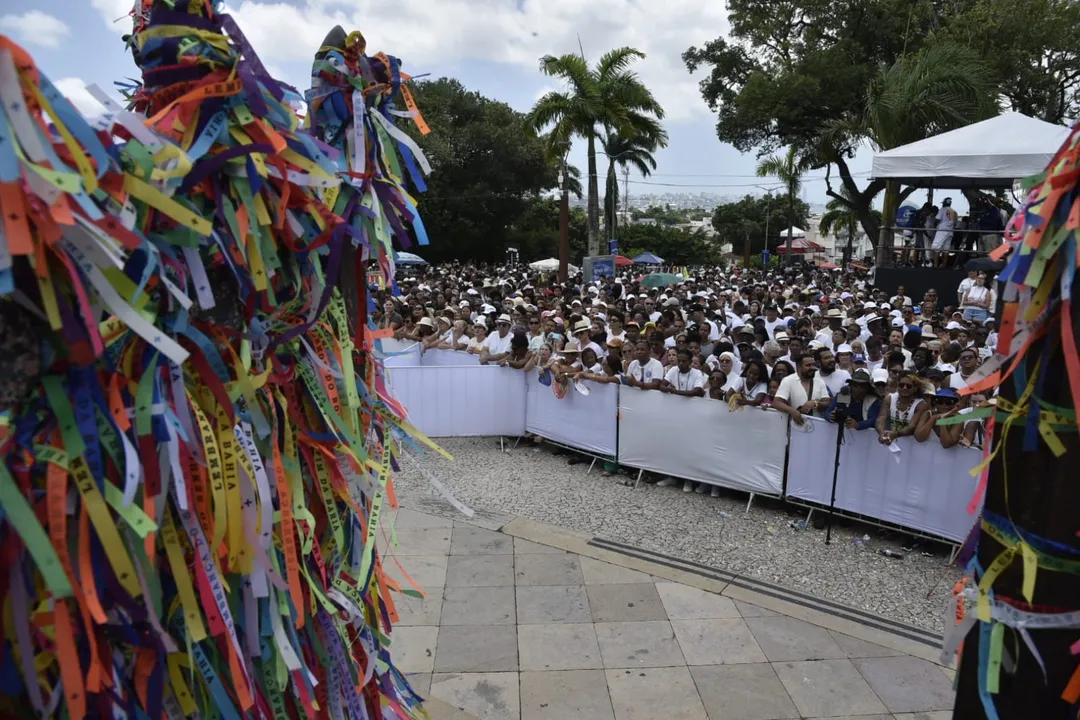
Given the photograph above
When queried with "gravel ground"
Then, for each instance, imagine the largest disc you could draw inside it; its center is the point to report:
(534, 483)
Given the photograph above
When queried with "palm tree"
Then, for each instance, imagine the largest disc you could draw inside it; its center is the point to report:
(626, 151)
(941, 88)
(789, 169)
(841, 217)
(609, 96)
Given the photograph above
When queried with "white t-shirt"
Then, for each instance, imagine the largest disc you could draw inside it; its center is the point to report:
(873, 365)
(739, 385)
(612, 336)
(771, 325)
(965, 285)
(498, 345)
(652, 370)
(536, 342)
(686, 381)
(835, 381)
(904, 300)
(825, 337)
(477, 345)
(791, 389)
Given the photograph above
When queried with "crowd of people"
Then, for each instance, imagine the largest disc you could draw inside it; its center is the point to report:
(805, 342)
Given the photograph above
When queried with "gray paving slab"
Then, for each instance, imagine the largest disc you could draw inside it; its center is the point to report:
(750, 691)
(478, 606)
(547, 569)
(650, 693)
(639, 644)
(785, 638)
(487, 696)
(558, 646)
(470, 540)
(828, 688)
(476, 649)
(907, 684)
(565, 695)
(480, 571)
(538, 604)
(631, 602)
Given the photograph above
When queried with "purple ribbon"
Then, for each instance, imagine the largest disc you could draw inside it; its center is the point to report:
(207, 166)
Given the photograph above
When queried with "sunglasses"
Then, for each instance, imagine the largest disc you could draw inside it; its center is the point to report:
(944, 401)
(908, 386)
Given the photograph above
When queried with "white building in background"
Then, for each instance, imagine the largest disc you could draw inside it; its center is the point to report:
(835, 244)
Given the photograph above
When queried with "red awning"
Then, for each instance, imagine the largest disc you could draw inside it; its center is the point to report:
(623, 261)
(801, 245)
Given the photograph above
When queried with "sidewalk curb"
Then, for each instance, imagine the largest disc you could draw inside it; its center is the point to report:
(828, 614)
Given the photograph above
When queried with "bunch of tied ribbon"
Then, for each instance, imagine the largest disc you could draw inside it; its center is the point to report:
(1036, 330)
(176, 294)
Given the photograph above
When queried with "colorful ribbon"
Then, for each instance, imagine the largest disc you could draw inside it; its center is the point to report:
(198, 442)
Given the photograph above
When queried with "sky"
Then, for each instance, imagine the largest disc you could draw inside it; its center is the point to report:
(491, 46)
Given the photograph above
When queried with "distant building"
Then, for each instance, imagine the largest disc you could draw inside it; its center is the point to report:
(835, 244)
(645, 221)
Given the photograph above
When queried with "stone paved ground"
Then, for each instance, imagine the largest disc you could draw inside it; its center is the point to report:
(531, 482)
(518, 630)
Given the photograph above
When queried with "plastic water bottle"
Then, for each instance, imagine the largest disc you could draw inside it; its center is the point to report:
(890, 553)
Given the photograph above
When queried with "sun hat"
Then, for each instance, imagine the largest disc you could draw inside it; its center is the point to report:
(504, 319)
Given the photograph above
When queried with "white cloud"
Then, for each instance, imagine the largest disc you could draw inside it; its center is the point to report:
(75, 90)
(430, 36)
(36, 27)
(115, 13)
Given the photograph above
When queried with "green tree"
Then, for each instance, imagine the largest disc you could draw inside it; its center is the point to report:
(789, 169)
(625, 151)
(746, 221)
(609, 96)
(940, 88)
(488, 171)
(677, 247)
(791, 69)
(840, 218)
(1036, 61)
(536, 231)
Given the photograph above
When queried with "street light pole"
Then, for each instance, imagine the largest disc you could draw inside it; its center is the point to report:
(564, 222)
(768, 212)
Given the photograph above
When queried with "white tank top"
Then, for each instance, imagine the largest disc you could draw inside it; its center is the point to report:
(900, 419)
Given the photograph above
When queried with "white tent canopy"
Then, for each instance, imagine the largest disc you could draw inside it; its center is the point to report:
(991, 153)
(550, 265)
(795, 232)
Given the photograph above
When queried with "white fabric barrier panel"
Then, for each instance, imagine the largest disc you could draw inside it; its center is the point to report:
(461, 401)
(587, 422)
(924, 487)
(701, 440)
(448, 358)
(403, 353)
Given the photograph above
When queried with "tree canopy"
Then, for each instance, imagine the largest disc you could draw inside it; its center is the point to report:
(676, 246)
(735, 221)
(608, 96)
(791, 72)
(484, 193)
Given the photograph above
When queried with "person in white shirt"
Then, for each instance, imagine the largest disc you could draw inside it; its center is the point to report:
(582, 332)
(498, 343)
(479, 339)
(946, 221)
(969, 363)
(683, 379)
(899, 299)
(645, 371)
(802, 393)
(773, 320)
(965, 285)
(833, 377)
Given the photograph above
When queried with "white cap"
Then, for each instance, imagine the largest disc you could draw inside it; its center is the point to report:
(953, 325)
(880, 375)
(844, 348)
